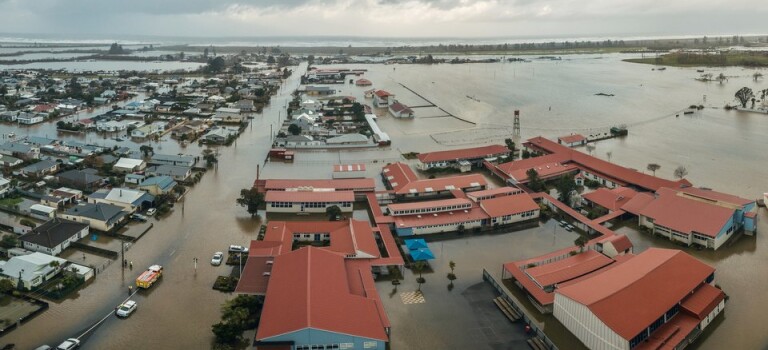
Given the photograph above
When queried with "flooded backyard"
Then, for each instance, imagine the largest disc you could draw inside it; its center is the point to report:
(720, 149)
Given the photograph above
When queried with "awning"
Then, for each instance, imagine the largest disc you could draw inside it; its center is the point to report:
(422, 254)
(416, 243)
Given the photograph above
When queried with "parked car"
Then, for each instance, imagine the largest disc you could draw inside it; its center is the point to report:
(126, 309)
(218, 257)
(569, 227)
(237, 249)
(563, 223)
(69, 344)
(151, 211)
(43, 347)
(139, 217)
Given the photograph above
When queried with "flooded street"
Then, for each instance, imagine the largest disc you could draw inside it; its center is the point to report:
(722, 150)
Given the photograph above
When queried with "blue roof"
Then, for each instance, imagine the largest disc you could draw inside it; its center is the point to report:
(421, 254)
(163, 182)
(416, 243)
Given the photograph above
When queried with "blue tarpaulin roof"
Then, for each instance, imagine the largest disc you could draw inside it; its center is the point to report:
(422, 254)
(416, 243)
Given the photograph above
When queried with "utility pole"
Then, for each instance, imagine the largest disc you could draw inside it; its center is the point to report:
(195, 261)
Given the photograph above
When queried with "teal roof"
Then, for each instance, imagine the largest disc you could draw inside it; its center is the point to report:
(163, 182)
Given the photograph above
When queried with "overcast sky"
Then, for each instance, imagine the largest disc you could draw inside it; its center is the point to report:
(383, 18)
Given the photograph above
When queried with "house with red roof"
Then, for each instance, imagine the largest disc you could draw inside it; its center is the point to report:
(399, 110)
(659, 299)
(404, 183)
(572, 140)
(693, 215)
(363, 82)
(382, 98)
(456, 158)
(611, 199)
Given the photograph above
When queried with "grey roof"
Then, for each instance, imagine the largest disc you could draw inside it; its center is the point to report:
(99, 211)
(173, 158)
(39, 166)
(79, 176)
(16, 147)
(53, 232)
(170, 170)
(108, 158)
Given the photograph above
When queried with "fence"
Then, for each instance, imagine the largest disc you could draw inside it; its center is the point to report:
(526, 318)
(42, 307)
(95, 250)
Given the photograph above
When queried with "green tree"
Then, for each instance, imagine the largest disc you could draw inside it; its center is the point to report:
(270, 59)
(146, 150)
(534, 182)
(251, 199)
(419, 267)
(333, 212)
(451, 275)
(6, 286)
(581, 241)
(227, 333)
(9, 241)
(217, 64)
(744, 95)
(511, 146)
(653, 167)
(294, 129)
(565, 185)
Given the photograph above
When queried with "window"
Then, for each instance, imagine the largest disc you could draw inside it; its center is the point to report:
(369, 345)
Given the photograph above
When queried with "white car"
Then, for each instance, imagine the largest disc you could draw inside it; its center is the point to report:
(151, 211)
(126, 309)
(218, 257)
(237, 249)
(68, 344)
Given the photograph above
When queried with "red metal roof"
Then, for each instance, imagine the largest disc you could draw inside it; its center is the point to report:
(442, 218)
(619, 242)
(309, 288)
(400, 108)
(670, 334)
(573, 138)
(382, 93)
(569, 268)
(340, 168)
(703, 301)
(716, 196)
(638, 203)
(309, 196)
(363, 82)
(687, 215)
(494, 192)
(464, 153)
(255, 278)
(350, 237)
(508, 205)
(609, 169)
(631, 296)
(611, 199)
(459, 182)
(398, 175)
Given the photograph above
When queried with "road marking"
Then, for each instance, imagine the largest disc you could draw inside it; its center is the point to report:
(105, 317)
(173, 252)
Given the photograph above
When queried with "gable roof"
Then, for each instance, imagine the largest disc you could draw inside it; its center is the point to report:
(508, 205)
(310, 289)
(611, 199)
(632, 295)
(79, 176)
(464, 153)
(53, 232)
(681, 213)
(100, 211)
(163, 182)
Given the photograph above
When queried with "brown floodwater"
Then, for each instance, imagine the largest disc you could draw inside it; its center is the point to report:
(722, 150)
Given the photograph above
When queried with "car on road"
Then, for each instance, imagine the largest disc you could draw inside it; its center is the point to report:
(126, 309)
(138, 217)
(237, 249)
(218, 257)
(69, 344)
(151, 211)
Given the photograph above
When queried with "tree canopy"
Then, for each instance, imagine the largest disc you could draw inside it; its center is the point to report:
(251, 199)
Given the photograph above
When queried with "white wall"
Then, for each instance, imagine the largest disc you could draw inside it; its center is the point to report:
(586, 326)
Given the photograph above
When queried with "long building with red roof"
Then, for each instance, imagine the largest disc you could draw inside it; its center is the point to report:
(659, 299)
(401, 179)
(452, 158)
(308, 201)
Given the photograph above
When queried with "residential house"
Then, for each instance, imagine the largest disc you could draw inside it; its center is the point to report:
(145, 131)
(178, 173)
(20, 150)
(135, 179)
(82, 180)
(158, 185)
(219, 135)
(5, 186)
(319, 90)
(130, 200)
(244, 105)
(382, 98)
(400, 110)
(99, 216)
(29, 118)
(172, 159)
(39, 169)
(129, 165)
(33, 269)
(54, 236)
(9, 162)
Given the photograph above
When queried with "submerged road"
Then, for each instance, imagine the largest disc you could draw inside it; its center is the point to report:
(178, 311)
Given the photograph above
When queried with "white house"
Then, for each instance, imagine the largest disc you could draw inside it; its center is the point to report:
(129, 165)
(53, 236)
(34, 269)
(5, 186)
(129, 199)
(145, 131)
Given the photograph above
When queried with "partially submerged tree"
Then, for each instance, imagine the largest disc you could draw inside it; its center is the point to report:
(590, 147)
(744, 95)
(653, 167)
(251, 199)
(294, 129)
(333, 212)
(681, 172)
(581, 241)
